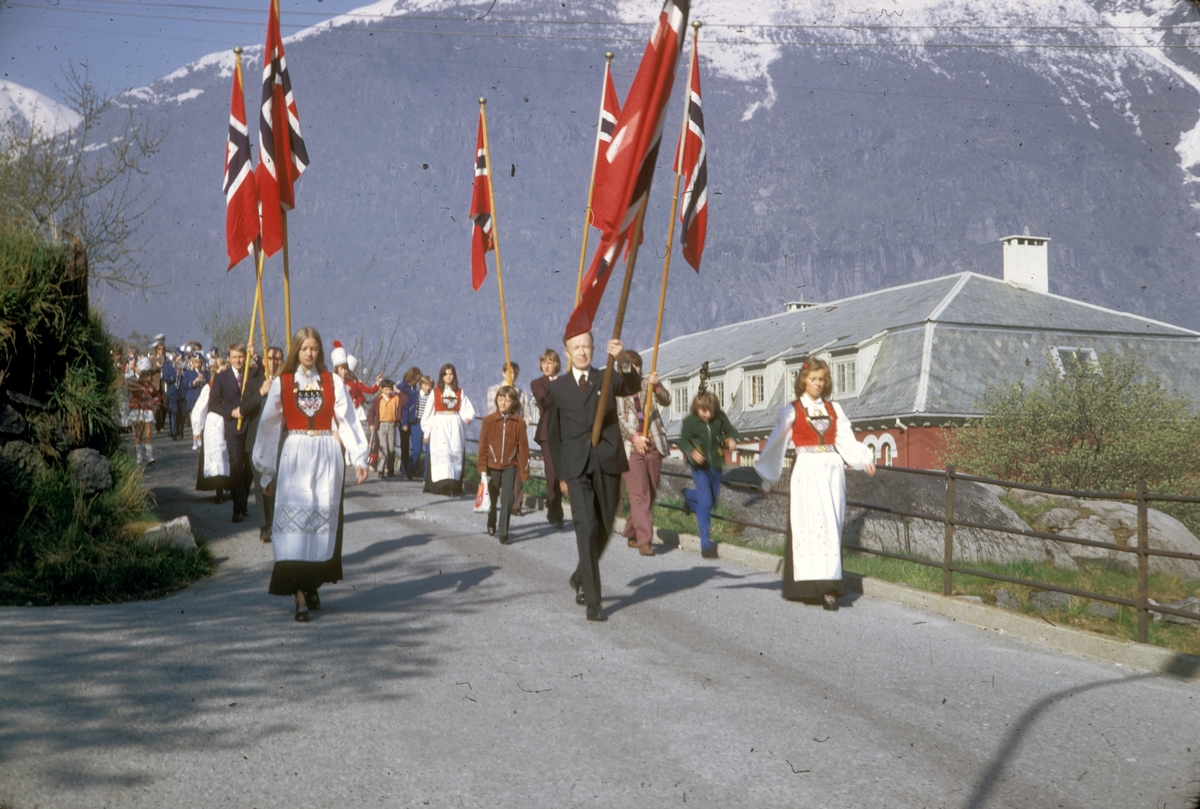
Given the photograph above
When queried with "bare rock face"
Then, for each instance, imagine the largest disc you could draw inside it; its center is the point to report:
(90, 470)
(176, 533)
(24, 456)
(11, 422)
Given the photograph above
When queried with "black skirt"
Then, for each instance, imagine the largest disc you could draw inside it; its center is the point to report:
(290, 575)
(805, 590)
(449, 487)
(214, 483)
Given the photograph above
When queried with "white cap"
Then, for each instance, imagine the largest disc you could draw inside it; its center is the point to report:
(143, 365)
(352, 362)
(338, 355)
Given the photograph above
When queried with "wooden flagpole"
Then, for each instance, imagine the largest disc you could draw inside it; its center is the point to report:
(487, 159)
(258, 255)
(587, 217)
(662, 296)
(287, 289)
(636, 235)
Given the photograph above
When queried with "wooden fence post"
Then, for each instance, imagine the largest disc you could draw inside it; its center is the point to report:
(1143, 561)
(948, 558)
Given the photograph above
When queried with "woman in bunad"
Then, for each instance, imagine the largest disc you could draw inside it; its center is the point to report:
(443, 426)
(824, 442)
(212, 473)
(311, 407)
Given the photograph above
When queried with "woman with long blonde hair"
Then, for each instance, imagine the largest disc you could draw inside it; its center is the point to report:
(314, 408)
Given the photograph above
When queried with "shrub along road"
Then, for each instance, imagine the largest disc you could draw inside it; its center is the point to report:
(449, 671)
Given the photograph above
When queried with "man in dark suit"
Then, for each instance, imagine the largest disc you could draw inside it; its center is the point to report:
(257, 387)
(225, 399)
(590, 476)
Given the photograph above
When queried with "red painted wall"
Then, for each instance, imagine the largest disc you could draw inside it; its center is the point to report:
(916, 447)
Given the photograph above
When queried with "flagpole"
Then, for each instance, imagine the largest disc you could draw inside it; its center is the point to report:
(253, 313)
(262, 307)
(287, 289)
(662, 296)
(587, 217)
(487, 159)
(636, 235)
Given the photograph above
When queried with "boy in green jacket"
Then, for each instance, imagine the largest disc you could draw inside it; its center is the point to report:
(704, 437)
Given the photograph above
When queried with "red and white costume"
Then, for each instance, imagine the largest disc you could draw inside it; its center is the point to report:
(446, 416)
(825, 444)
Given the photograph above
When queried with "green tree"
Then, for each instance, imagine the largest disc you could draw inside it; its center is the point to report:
(1099, 426)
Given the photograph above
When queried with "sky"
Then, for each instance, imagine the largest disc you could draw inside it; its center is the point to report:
(130, 43)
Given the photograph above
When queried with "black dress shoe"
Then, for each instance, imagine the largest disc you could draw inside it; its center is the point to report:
(579, 593)
(302, 614)
(491, 530)
(264, 534)
(596, 614)
(503, 540)
(238, 517)
(829, 601)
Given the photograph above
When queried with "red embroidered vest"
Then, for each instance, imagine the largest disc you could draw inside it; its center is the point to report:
(803, 434)
(306, 409)
(440, 407)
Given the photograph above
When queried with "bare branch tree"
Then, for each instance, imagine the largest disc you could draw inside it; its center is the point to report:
(380, 356)
(82, 182)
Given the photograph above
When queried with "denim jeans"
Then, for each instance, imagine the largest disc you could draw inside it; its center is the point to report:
(702, 499)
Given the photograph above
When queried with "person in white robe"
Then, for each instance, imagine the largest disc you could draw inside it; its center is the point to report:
(208, 430)
(443, 427)
(824, 445)
(307, 473)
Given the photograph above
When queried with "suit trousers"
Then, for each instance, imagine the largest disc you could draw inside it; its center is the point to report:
(406, 461)
(593, 497)
(265, 503)
(641, 481)
(554, 511)
(239, 463)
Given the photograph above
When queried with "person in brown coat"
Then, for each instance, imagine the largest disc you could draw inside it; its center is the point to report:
(503, 454)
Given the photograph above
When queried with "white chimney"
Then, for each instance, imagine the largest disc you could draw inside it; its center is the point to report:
(1025, 261)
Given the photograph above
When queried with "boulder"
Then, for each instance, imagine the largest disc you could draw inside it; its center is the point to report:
(11, 422)
(1050, 600)
(1007, 601)
(1102, 610)
(1191, 604)
(90, 471)
(24, 456)
(1054, 519)
(177, 533)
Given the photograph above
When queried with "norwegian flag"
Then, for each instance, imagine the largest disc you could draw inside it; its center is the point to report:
(610, 110)
(282, 156)
(694, 168)
(481, 212)
(593, 285)
(633, 152)
(241, 197)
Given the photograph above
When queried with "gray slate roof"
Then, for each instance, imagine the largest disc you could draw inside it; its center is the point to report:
(946, 340)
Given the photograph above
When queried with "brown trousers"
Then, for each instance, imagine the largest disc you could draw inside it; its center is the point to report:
(641, 481)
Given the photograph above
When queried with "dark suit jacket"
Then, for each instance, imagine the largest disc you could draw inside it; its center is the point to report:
(224, 397)
(538, 388)
(252, 402)
(569, 417)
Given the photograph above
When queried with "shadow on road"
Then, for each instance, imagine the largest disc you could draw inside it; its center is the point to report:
(657, 585)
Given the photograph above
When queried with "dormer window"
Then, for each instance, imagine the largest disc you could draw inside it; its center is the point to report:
(845, 378)
(1072, 360)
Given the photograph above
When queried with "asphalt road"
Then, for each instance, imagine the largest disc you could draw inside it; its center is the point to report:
(449, 671)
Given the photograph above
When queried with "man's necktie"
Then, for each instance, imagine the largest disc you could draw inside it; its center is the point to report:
(583, 382)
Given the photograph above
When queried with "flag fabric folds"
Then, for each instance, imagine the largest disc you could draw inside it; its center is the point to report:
(481, 213)
(594, 284)
(282, 156)
(241, 196)
(694, 169)
(610, 110)
(633, 152)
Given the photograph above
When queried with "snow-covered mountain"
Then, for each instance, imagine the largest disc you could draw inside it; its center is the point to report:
(34, 108)
(849, 149)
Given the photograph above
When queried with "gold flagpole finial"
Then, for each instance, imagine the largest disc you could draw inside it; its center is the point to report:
(608, 56)
(696, 24)
(482, 100)
(238, 50)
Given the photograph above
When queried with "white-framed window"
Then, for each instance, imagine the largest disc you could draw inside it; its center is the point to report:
(718, 389)
(845, 378)
(1071, 359)
(680, 404)
(756, 385)
(885, 454)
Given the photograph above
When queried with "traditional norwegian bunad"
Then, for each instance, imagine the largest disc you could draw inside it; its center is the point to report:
(315, 410)
(212, 472)
(824, 441)
(446, 416)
